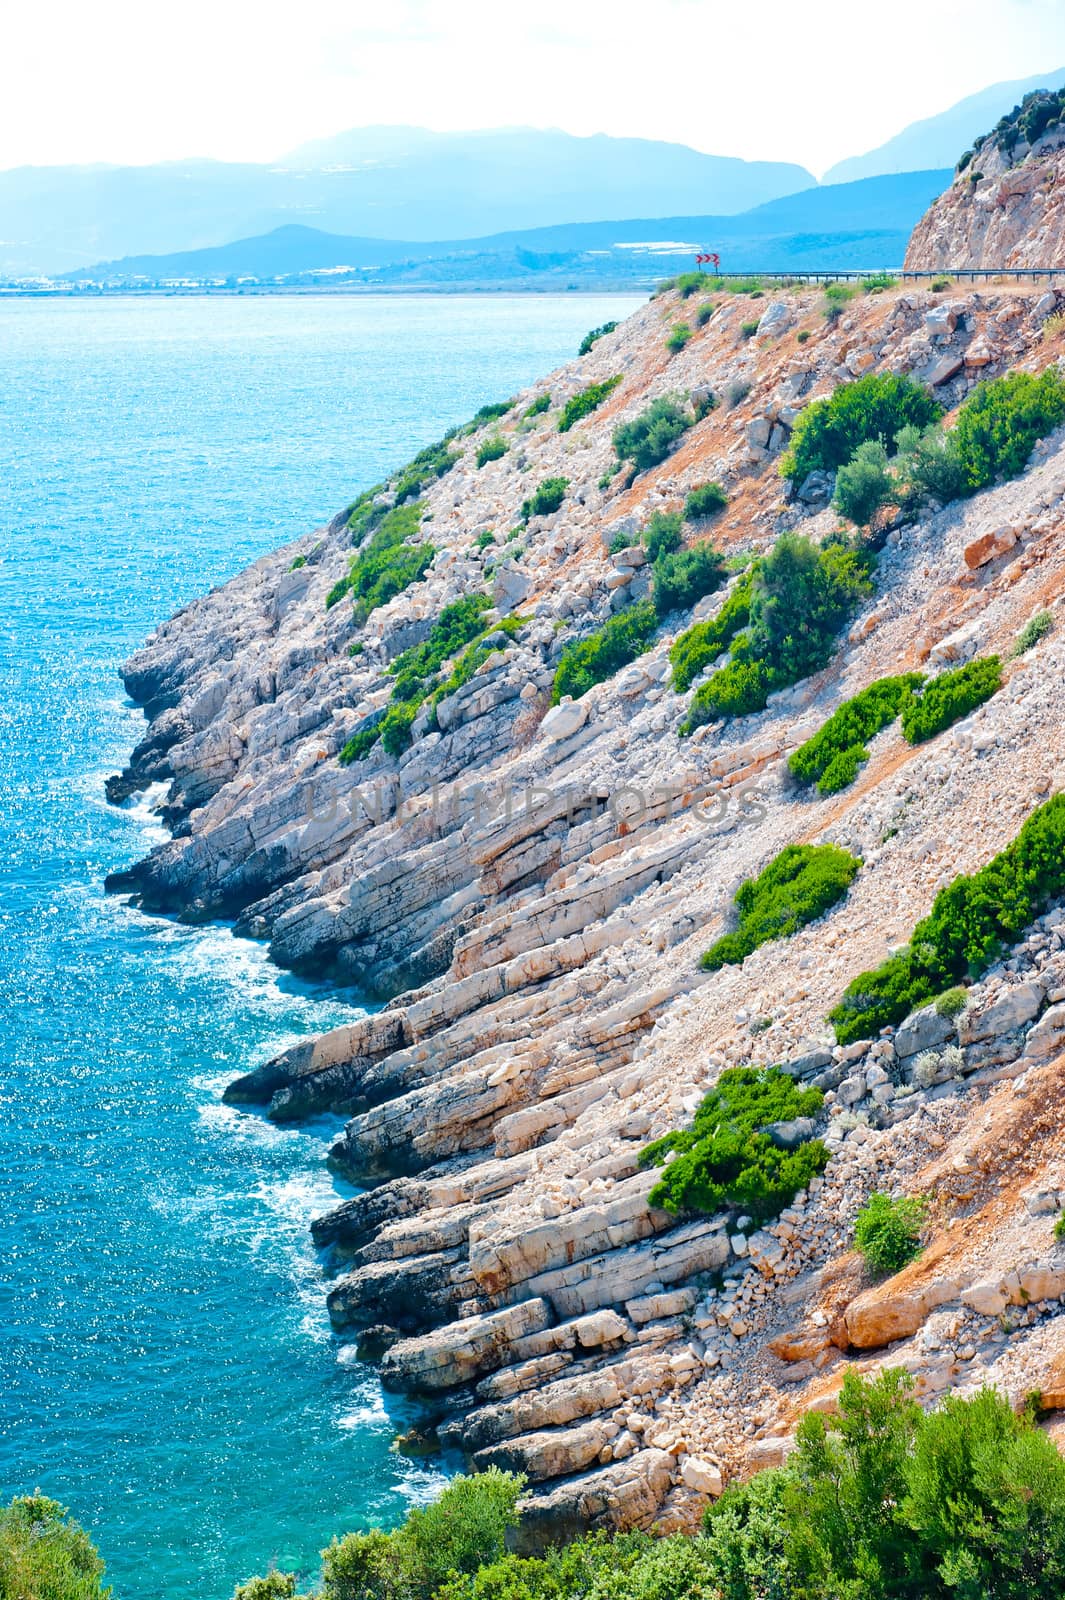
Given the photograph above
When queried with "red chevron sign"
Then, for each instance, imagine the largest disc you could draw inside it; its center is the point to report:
(708, 259)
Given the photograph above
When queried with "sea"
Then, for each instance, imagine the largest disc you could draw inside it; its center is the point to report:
(167, 1368)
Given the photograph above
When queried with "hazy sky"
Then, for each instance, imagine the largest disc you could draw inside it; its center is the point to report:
(135, 81)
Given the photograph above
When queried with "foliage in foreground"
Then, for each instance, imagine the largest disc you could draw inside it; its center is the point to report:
(545, 499)
(592, 335)
(45, 1554)
(648, 438)
(589, 661)
(876, 407)
(799, 885)
(585, 401)
(946, 699)
(703, 642)
(887, 1232)
(970, 922)
(727, 1159)
(391, 559)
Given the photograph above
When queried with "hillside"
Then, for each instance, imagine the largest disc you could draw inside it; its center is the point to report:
(529, 887)
(861, 225)
(935, 141)
(1004, 207)
(432, 186)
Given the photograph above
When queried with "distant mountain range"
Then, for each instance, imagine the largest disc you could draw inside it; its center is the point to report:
(939, 141)
(864, 224)
(390, 183)
(380, 185)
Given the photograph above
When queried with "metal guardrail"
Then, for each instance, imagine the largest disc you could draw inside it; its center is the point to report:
(858, 275)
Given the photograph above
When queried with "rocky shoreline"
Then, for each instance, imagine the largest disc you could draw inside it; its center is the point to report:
(527, 890)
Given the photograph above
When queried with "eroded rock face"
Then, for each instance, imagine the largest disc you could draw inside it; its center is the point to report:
(1004, 210)
(531, 891)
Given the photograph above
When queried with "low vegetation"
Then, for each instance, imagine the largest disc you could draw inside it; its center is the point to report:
(945, 700)
(592, 660)
(493, 449)
(592, 335)
(798, 886)
(702, 643)
(392, 558)
(864, 484)
(887, 1232)
(727, 1158)
(546, 499)
(683, 577)
(679, 335)
(428, 465)
(876, 407)
(831, 759)
(800, 597)
(1034, 630)
(541, 404)
(662, 534)
(648, 438)
(1000, 423)
(704, 502)
(585, 401)
(970, 922)
(45, 1554)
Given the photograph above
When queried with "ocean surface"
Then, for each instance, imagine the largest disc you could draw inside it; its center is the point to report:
(166, 1365)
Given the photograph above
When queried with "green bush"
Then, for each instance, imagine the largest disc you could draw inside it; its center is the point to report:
(682, 577)
(689, 283)
(704, 641)
(591, 337)
(546, 499)
(727, 1159)
(592, 660)
(585, 402)
(970, 922)
(877, 282)
(387, 563)
(485, 538)
(748, 330)
(803, 335)
(952, 1002)
(679, 335)
(738, 689)
(272, 1586)
(864, 484)
(877, 406)
(704, 313)
(1000, 423)
(45, 1554)
(662, 533)
(541, 404)
(705, 501)
(946, 699)
(298, 561)
(887, 1233)
(428, 465)
(1059, 1228)
(648, 438)
(838, 747)
(798, 886)
(1035, 629)
(929, 463)
(493, 449)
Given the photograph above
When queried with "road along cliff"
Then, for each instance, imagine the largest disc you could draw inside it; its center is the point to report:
(375, 760)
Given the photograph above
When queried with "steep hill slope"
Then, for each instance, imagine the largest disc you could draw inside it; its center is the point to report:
(533, 886)
(1005, 207)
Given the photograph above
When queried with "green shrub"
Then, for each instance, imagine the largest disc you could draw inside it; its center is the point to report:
(272, 1586)
(1000, 423)
(662, 533)
(546, 499)
(683, 577)
(1059, 1228)
(748, 330)
(620, 541)
(838, 746)
(736, 392)
(970, 922)
(704, 641)
(887, 1233)
(589, 661)
(952, 1002)
(929, 463)
(803, 335)
(706, 501)
(387, 563)
(689, 283)
(864, 484)
(679, 335)
(738, 689)
(585, 402)
(1035, 629)
(799, 885)
(594, 334)
(704, 313)
(428, 465)
(938, 285)
(491, 450)
(877, 406)
(946, 699)
(877, 282)
(485, 538)
(298, 561)
(541, 404)
(45, 1554)
(648, 438)
(489, 413)
(727, 1159)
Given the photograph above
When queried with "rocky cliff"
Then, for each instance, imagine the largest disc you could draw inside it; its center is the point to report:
(1006, 205)
(529, 887)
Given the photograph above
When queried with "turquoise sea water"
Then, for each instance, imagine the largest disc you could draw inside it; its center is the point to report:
(166, 1365)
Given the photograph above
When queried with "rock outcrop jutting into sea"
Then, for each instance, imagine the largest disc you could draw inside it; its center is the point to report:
(529, 887)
